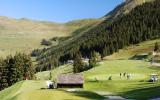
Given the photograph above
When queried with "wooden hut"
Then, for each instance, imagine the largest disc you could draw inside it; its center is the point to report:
(70, 81)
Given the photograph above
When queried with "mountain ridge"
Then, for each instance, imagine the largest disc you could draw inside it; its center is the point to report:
(24, 35)
(124, 8)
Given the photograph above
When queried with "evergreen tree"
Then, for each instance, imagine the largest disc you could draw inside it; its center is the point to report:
(156, 47)
(1, 73)
(50, 75)
(19, 65)
(28, 68)
(1, 69)
(78, 65)
(12, 71)
(93, 59)
(105, 51)
(4, 78)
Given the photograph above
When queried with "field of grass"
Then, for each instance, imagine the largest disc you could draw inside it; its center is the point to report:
(11, 92)
(128, 52)
(135, 88)
(96, 80)
(60, 70)
(36, 90)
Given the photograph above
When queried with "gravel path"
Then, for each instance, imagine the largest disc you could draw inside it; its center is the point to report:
(156, 64)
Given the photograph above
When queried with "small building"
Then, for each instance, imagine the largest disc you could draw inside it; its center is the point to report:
(70, 81)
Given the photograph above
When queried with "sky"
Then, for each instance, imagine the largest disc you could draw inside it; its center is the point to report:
(56, 10)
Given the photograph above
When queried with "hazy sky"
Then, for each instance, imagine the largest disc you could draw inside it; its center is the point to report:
(56, 10)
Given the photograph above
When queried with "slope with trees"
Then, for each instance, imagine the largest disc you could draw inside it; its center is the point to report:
(141, 24)
(14, 69)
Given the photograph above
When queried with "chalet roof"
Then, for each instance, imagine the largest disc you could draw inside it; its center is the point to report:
(70, 79)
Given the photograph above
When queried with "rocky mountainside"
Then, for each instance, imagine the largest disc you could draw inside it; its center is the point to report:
(124, 8)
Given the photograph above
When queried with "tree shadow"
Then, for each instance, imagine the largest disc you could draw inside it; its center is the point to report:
(138, 57)
(87, 95)
(143, 93)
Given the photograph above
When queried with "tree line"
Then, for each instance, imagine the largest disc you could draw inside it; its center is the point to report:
(14, 69)
(141, 24)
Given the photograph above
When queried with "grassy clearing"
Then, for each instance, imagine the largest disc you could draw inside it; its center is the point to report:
(130, 51)
(60, 70)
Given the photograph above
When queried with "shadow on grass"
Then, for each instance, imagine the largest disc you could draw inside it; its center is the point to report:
(143, 94)
(138, 57)
(87, 95)
(155, 67)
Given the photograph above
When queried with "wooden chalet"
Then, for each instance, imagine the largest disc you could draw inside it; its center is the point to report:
(70, 81)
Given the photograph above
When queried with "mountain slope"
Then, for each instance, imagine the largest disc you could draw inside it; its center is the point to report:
(124, 8)
(141, 24)
(24, 35)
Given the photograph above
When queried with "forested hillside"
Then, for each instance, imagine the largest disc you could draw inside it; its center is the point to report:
(141, 24)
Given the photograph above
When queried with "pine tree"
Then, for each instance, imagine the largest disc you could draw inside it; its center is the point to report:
(1, 69)
(28, 68)
(78, 65)
(156, 47)
(19, 65)
(4, 78)
(12, 71)
(93, 59)
(50, 75)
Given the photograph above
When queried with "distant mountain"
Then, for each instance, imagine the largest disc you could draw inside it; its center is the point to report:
(124, 8)
(24, 25)
(25, 34)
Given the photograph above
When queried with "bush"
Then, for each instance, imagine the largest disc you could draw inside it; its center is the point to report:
(46, 42)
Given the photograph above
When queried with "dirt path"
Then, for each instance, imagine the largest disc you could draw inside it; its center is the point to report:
(156, 64)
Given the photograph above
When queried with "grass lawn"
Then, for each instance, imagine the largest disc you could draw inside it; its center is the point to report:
(128, 52)
(36, 90)
(11, 92)
(135, 88)
(62, 69)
